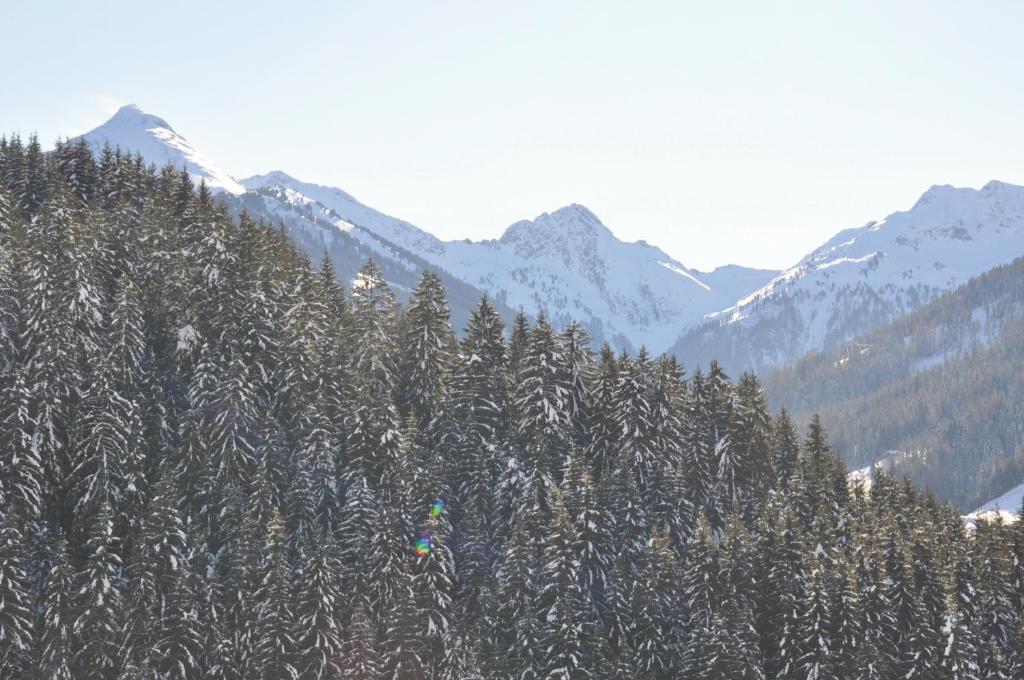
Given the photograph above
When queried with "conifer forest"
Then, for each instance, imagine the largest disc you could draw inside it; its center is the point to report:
(219, 462)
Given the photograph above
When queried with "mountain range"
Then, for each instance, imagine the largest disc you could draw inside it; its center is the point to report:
(565, 264)
(568, 265)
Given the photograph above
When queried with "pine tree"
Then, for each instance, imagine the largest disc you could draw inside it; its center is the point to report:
(16, 616)
(433, 583)
(427, 349)
(700, 593)
(816, 648)
(925, 645)
(634, 422)
(786, 449)
(780, 591)
(540, 403)
(21, 470)
(56, 651)
(657, 601)
(561, 601)
(603, 436)
(272, 655)
(402, 649)
(98, 604)
(518, 624)
(317, 629)
(359, 648)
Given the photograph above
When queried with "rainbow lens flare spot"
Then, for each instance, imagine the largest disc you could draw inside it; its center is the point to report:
(436, 508)
(422, 546)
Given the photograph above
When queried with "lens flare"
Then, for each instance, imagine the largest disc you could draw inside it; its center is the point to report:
(436, 508)
(422, 546)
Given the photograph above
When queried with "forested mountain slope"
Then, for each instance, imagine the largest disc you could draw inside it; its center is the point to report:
(216, 462)
(941, 387)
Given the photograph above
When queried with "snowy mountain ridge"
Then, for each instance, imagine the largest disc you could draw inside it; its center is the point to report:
(566, 264)
(866, 276)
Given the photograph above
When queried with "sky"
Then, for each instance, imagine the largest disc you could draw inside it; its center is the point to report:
(729, 132)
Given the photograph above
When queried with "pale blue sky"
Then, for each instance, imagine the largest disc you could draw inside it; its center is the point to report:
(723, 132)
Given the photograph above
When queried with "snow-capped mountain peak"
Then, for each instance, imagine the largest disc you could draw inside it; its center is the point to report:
(133, 130)
(131, 115)
(568, 228)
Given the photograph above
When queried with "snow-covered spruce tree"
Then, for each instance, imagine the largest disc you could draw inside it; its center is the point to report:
(780, 592)
(30, 186)
(427, 349)
(996, 624)
(750, 439)
(98, 602)
(469, 427)
(108, 457)
(634, 421)
(385, 561)
(155, 565)
(21, 470)
(602, 440)
(669, 500)
(657, 603)
(701, 593)
(11, 283)
(925, 646)
(594, 545)
(698, 451)
(816, 659)
(16, 616)
(317, 628)
(541, 436)
(359, 647)
(56, 644)
(561, 601)
(403, 648)
(274, 644)
(434, 587)
(960, 656)
(232, 587)
(898, 587)
(578, 364)
(518, 624)
(785, 448)
(374, 329)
